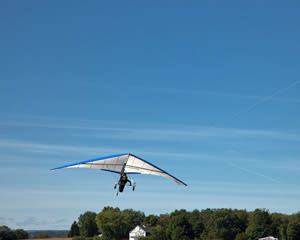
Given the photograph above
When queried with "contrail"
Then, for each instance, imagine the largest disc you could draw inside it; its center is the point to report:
(247, 110)
(264, 99)
(252, 172)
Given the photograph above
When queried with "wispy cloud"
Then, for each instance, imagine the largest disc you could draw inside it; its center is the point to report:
(192, 133)
(54, 149)
(145, 133)
(174, 133)
(199, 92)
(207, 192)
(222, 94)
(58, 126)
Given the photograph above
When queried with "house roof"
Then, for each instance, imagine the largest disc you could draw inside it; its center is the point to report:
(145, 228)
(268, 238)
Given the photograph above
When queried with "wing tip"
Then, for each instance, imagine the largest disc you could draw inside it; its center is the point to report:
(53, 169)
(182, 183)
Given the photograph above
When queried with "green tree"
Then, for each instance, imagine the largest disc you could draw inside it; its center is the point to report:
(87, 224)
(74, 231)
(179, 227)
(151, 220)
(113, 224)
(260, 224)
(295, 217)
(293, 231)
(135, 217)
(163, 220)
(283, 231)
(157, 233)
(241, 236)
(243, 216)
(197, 223)
(205, 215)
(21, 234)
(7, 234)
(223, 224)
(279, 225)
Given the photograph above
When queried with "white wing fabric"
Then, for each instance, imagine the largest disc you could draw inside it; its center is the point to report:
(115, 163)
(136, 164)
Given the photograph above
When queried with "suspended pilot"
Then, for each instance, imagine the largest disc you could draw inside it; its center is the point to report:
(123, 180)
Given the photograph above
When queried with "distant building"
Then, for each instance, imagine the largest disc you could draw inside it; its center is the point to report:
(139, 231)
(268, 238)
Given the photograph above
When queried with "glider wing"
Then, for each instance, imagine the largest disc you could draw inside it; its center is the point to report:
(115, 163)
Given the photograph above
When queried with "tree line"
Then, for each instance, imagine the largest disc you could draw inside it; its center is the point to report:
(47, 233)
(219, 224)
(8, 234)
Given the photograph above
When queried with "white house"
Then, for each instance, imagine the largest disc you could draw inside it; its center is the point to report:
(268, 238)
(139, 231)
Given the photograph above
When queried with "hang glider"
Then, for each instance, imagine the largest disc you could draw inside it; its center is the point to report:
(123, 163)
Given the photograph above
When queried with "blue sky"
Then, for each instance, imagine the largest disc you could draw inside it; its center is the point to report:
(208, 91)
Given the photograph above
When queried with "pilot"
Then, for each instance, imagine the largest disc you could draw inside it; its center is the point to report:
(124, 179)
